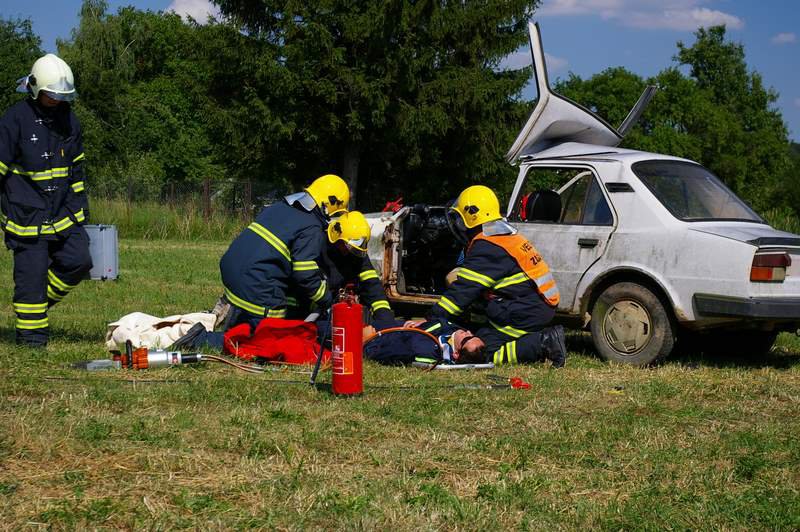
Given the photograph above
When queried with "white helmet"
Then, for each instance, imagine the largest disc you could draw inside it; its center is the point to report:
(51, 75)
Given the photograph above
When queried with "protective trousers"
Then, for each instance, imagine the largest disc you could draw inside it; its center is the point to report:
(504, 349)
(514, 335)
(45, 271)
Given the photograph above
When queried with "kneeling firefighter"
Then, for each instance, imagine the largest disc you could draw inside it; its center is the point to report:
(43, 198)
(345, 262)
(281, 248)
(507, 268)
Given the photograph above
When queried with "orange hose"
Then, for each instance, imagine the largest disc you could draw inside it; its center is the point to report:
(405, 329)
(400, 329)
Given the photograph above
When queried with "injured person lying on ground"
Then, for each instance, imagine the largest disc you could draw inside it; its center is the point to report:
(442, 342)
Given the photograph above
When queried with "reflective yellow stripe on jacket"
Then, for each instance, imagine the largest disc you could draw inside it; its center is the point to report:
(271, 239)
(380, 304)
(368, 274)
(475, 277)
(447, 304)
(323, 286)
(44, 175)
(252, 308)
(35, 230)
(304, 265)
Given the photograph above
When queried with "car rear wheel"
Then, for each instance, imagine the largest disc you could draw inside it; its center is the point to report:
(630, 325)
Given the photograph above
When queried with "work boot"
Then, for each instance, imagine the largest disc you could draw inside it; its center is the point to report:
(554, 346)
(221, 311)
(191, 339)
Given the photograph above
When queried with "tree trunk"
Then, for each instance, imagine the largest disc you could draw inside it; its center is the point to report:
(352, 157)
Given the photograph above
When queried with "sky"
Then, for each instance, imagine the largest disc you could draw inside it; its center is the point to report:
(583, 37)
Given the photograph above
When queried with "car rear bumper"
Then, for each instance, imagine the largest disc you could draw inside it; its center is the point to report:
(765, 308)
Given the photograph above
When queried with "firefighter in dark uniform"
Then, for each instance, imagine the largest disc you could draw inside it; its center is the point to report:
(325, 269)
(507, 269)
(345, 262)
(42, 196)
(282, 248)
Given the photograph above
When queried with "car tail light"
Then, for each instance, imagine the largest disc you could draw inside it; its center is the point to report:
(770, 267)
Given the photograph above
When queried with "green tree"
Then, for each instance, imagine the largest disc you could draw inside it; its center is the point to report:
(401, 97)
(162, 100)
(748, 142)
(19, 48)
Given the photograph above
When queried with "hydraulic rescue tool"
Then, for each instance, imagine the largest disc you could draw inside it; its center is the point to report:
(141, 358)
(144, 358)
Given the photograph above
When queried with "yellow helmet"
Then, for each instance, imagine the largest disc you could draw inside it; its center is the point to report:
(331, 194)
(352, 229)
(477, 205)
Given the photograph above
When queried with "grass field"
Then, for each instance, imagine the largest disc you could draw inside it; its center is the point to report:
(695, 443)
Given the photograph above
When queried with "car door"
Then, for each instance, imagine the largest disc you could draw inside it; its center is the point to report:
(578, 238)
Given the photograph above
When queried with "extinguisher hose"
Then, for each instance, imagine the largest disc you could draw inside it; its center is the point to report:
(250, 368)
(243, 367)
(313, 380)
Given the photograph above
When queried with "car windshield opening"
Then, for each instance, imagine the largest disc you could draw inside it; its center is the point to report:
(692, 193)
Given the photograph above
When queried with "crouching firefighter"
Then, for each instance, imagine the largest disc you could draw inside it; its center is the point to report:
(345, 263)
(282, 248)
(507, 268)
(42, 196)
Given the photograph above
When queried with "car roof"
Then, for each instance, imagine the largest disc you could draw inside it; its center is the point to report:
(576, 151)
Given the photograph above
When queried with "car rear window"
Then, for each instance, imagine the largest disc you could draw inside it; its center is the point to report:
(692, 193)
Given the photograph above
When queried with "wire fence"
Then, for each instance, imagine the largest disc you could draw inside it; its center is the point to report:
(210, 198)
(210, 209)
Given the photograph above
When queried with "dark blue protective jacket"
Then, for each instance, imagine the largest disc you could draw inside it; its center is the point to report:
(515, 306)
(41, 171)
(343, 269)
(282, 247)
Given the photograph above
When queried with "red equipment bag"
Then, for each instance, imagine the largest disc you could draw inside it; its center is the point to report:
(275, 339)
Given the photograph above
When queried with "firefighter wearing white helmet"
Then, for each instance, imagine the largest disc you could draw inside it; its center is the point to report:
(506, 269)
(43, 196)
(53, 76)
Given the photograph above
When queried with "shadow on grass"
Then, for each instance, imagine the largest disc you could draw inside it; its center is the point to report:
(8, 336)
(780, 357)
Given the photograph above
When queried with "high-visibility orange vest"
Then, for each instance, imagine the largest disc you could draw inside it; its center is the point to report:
(529, 260)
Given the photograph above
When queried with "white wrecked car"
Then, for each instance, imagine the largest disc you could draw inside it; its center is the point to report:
(646, 248)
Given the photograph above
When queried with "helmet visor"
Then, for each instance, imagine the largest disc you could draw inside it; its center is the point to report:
(61, 97)
(455, 222)
(357, 246)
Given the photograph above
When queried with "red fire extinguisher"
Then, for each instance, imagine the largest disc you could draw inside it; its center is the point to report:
(346, 346)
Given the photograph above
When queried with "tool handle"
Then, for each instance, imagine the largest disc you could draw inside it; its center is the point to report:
(128, 362)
